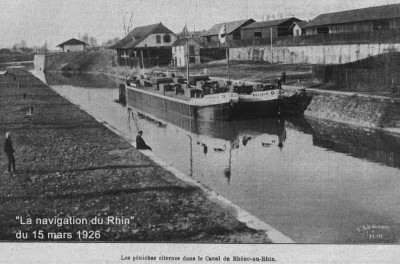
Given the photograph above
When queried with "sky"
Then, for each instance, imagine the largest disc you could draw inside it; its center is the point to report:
(55, 21)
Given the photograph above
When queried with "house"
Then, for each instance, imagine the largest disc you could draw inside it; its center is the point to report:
(298, 28)
(179, 50)
(358, 20)
(151, 44)
(72, 45)
(232, 30)
(264, 29)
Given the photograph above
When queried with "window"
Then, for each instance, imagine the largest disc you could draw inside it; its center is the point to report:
(236, 35)
(191, 50)
(208, 39)
(257, 34)
(167, 38)
(297, 32)
(322, 30)
(158, 39)
(380, 25)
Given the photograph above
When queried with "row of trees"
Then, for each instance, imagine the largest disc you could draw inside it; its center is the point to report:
(92, 41)
(22, 48)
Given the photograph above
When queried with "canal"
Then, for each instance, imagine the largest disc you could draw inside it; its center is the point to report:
(315, 181)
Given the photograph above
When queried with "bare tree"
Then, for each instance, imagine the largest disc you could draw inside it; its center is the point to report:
(23, 43)
(44, 47)
(85, 38)
(93, 41)
(128, 23)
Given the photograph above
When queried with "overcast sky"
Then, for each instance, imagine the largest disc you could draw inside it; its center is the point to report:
(55, 21)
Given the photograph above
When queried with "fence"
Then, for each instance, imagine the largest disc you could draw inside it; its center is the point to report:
(382, 36)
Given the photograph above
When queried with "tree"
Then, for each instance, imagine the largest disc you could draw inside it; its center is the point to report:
(110, 42)
(15, 48)
(85, 38)
(128, 23)
(93, 41)
(23, 43)
(44, 48)
(5, 52)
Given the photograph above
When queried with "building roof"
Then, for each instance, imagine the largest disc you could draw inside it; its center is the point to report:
(270, 23)
(72, 42)
(301, 24)
(182, 42)
(138, 34)
(230, 27)
(357, 15)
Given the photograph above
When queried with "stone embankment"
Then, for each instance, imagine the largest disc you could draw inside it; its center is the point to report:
(69, 166)
(378, 112)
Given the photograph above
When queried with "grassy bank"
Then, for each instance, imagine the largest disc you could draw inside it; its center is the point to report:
(72, 167)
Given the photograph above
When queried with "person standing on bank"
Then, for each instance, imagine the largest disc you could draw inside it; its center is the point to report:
(283, 75)
(280, 82)
(140, 144)
(9, 150)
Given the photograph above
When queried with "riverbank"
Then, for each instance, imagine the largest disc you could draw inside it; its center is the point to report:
(365, 110)
(72, 167)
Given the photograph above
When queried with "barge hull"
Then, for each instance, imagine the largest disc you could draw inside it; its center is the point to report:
(150, 103)
(259, 109)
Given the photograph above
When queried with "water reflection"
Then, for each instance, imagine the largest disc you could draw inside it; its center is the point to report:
(316, 182)
(372, 145)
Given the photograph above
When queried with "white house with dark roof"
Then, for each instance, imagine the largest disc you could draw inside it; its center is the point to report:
(72, 45)
(298, 28)
(357, 20)
(232, 30)
(153, 42)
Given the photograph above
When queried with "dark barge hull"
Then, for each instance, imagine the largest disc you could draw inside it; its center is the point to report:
(153, 103)
(260, 109)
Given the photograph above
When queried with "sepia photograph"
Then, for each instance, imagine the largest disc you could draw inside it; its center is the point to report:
(200, 131)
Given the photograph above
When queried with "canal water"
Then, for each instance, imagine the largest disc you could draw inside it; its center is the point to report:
(314, 181)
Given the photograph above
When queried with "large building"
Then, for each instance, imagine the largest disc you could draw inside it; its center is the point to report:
(150, 44)
(358, 20)
(264, 29)
(72, 45)
(232, 30)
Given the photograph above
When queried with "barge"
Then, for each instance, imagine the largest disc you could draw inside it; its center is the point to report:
(258, 101)
(173, 96)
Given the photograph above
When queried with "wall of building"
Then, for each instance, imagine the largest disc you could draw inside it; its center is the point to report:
(178, 52)
(73, 48)
(216, 39)
(151, 41)
(248, 33)
(322, 54)
(297, 31)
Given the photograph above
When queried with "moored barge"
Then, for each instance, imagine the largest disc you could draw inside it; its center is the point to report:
(173, 96)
